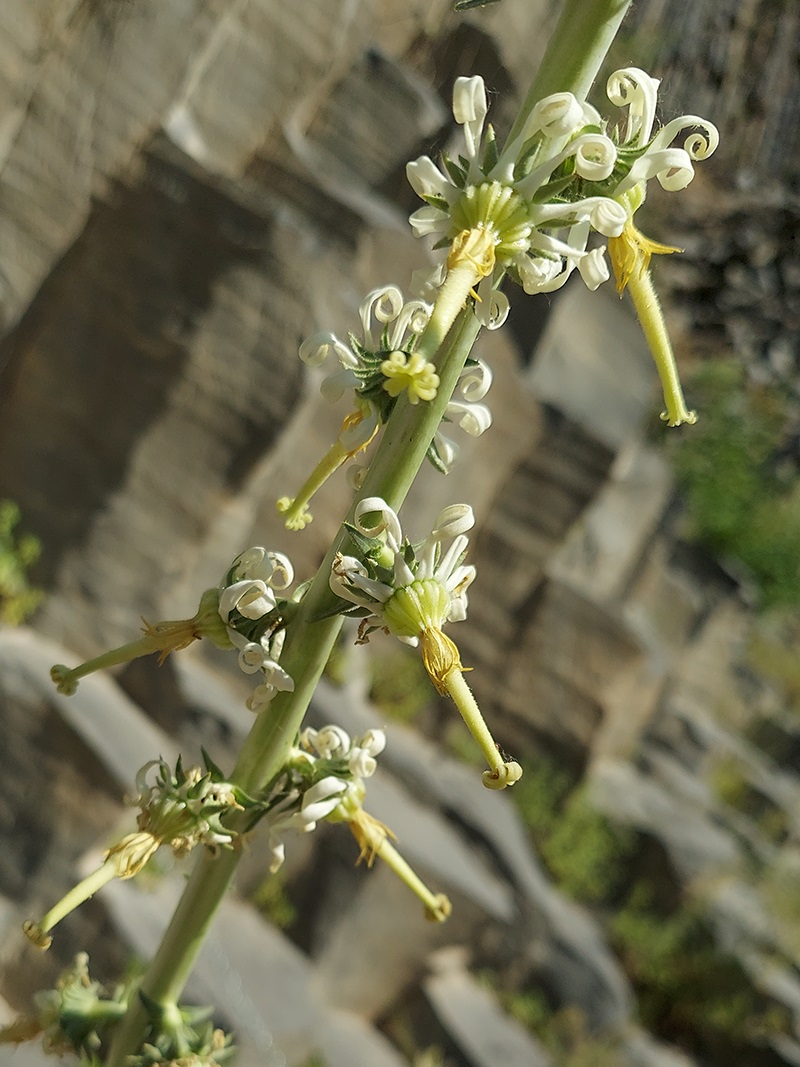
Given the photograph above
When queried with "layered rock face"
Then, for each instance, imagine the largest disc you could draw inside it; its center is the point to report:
(187, 191)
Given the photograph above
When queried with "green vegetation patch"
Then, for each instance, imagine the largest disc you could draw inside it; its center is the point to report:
(741, 502)
(18, 599)
(584, 852)
(689, 992)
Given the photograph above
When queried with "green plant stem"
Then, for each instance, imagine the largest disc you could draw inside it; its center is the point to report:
(576, 50)
(579, 44)
(308, 645)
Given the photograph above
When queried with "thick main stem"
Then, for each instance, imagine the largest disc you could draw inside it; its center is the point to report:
(579, 44)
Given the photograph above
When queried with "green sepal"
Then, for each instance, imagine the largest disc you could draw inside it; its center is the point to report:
(366, 546)
(491, 153)
(457, 174)
(211, 767)
(437, 201)
(435, 459)
(342, 607)
(553, 190)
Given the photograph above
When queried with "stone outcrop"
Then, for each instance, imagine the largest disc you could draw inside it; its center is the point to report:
(187, 190)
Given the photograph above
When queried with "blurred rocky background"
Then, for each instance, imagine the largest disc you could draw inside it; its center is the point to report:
(187, 189)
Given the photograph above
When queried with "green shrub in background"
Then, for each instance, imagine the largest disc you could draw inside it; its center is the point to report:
(585, 854)
(740, 503)
(687, 990)
(18, 598)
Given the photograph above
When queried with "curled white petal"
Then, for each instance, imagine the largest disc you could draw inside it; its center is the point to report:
(557, 115)
(277, 851)
(606, 216)
(252, 657)
(469, 110)
(671, 166)
(491, 307)
(373, 741)
(316, 349)
(536, 272)
(387, 523)
(453, 521)
(411, 321)
(426, 179)
(447, 450)
(469, 100)
(356, 473)
(594, 268)
(427, 220)
(427, 280)
(260, 698)
(473, 419)
(321, 799)
(595, 156)
(475, 380)
(350, 581)
(252, 599)
(277, 678)
(337, 384)
(385, 304)
(698, 146)
(402, 573)
(450, 561)
(634, 88)
(330, 742)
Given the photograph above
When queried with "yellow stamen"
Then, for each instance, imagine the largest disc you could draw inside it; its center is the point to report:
(440, 656)
(296, 508)
(630, 256)
(412, 373)
(476, 248)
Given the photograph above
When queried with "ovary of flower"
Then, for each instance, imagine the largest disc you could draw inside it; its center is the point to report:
(630, 255)
(372, 837)
(161, 638)
(413, 374)
(124, 860)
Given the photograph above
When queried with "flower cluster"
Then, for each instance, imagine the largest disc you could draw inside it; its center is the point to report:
(254, 618)
(532, 208)
(180, 809)
(324, 780)
(378, 367)
(412, 591)
(78, 1016)
(562, 177)
(243, 613)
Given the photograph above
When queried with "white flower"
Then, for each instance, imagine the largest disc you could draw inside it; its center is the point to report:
(384, 364)
(433, 580)
(334, 795)
(671, 166)
(247, 597)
